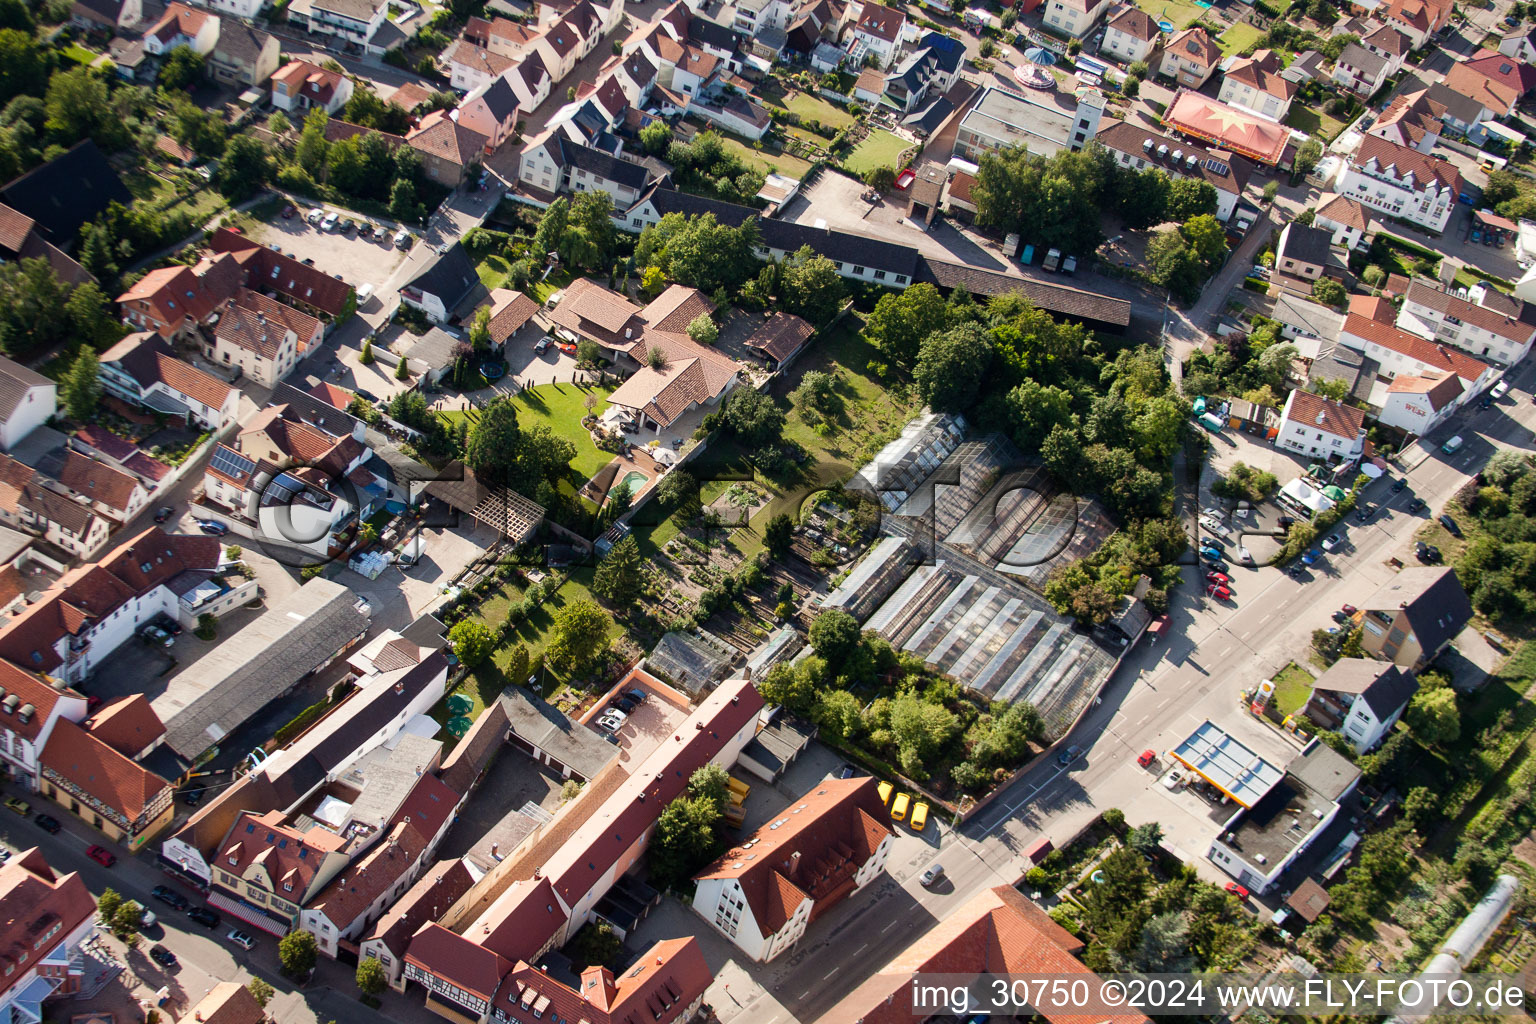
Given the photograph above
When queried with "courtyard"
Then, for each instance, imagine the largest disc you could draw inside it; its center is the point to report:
(354, 259)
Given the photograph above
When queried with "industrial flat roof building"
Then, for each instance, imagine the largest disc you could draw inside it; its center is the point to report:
(296, 636)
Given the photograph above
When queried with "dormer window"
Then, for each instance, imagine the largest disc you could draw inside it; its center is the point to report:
(234, 861)
(287, 887)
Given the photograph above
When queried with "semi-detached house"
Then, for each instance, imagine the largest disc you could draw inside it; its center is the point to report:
(1401, 182)
(1397, 352)
(1321, 428)
(48, 916)
(1130, 36)
(1486, 322)
(143, 371)
(1254, 83)
(1074, 17)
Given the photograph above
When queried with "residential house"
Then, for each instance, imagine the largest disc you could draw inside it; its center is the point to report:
(1321, 428)
(173, 301)
(731, 111)
(1075, 18)
(1520, 44)
(229, 1002)
(1413, 120)
(1130, 36)
(26, 504)
(665, 986)
(749, 17)
(104, 788)
(1306, 323)
(439, 888)
(1496, 98)
(1137, 148)
(828, 845)
(1414, 616)
(439, 287)
(684, 376)
(876, 30)
(448, 149)
(274, 867)
(432, 355)
(356, 22)
(531, 81)
(77, 624)
(501, 36)
(1401, 182)
(1347, 222)
(491, 110)
(1361, 699)
(243, 56)
(27, 722)
(470, 67)
(1361, 71)
(602, 834)
(1513, 74)
(1303, 251)
(304, 287)
(244, 10)
(1417, 20)
(1190, 57)
(1388, 42)
(1044, 123)
(1254, 83)
(27, 401)
(1487, 323)
(300, 86)
(1417, 405)
(348, 906)
(143, 371)
(1399, 352)
(181, 25)
(105, 490)
(571, 39)
(553, 163)
(1460, 114)
(49, 916)
(996, 931)
(265, 338)
(111, 16)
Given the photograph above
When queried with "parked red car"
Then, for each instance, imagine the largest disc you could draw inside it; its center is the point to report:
(1219, 592)
(1217, 577)
(1145, 758)
(1237, 890)
(101, 855)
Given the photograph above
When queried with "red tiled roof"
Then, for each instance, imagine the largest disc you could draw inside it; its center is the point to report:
(330, 394)
(1494, 94)
(1325, 414)
(667, 980)
(525, 916)
(1439, 389)
(258, 324)
(30, 690)
(446, 139)
(274, 272)
(881, 22)
(1515, 74)
(1515, 325)
(1372, 307)
(1403, 161)
(147, 358)
(1231, 127)
(36, 898)
(439, 887)
(1136, 23)
(1346, 211)
(228, 1002)
(510, 314)
(810, 850)
(592, 310)
(15, 226)
(86, 761)
(289, 858)
(1194, 44)
(780, 336)
(353, 892)
(179, 19)
(457, 960)
(997, 931)
(126, 724)
(98, 481)
(1440, 357)
(477, 58)
(1263, 75)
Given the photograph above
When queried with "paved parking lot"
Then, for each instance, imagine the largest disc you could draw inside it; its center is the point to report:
(141, 667)
(356, 260)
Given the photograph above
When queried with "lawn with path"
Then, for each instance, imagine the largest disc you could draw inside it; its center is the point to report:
(765, 161)
(879, 149)
(560, 407)
(873, 414)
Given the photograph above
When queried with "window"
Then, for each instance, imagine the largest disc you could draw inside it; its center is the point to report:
(879, 275)
(901, 278)
(859, 271)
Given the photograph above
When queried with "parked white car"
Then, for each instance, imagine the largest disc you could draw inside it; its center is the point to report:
(612, 720)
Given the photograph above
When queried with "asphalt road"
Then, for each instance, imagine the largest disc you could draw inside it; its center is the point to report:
(1159, 694)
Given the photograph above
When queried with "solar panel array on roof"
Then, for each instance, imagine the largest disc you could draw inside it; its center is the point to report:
(232, 463)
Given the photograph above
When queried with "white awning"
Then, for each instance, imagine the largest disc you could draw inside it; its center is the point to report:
(250, 915)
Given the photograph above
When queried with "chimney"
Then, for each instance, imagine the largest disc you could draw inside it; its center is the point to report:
(794, 861)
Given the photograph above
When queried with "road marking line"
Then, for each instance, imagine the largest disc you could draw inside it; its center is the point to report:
(829, 974)
(888, 927)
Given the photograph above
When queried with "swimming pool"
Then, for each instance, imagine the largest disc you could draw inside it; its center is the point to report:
(635, 479)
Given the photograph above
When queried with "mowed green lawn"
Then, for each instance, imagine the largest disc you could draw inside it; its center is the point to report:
(814, 108)
(1239, 38)
(879, 149)
(560, 407)
(763, 160)
(1181, 14)
(493, 271)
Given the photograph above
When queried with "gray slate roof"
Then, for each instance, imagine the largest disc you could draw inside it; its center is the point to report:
(206, 701)
(1436, 604)
(15, 381)
(1383, 686)
(546, 727)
